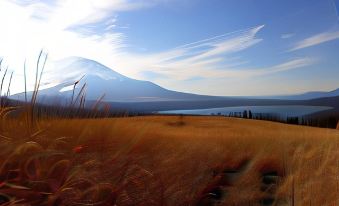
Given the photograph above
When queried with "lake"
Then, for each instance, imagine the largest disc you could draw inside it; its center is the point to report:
(282, 111)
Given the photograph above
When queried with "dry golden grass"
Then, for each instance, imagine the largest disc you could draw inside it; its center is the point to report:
(165, 160)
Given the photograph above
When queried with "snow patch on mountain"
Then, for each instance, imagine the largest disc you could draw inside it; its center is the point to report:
(69, 70)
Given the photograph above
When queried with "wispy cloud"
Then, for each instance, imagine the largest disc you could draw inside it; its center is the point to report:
(63, 25)
(316, 39)
(287, 36)
(335, 9)
(244, 73)
(186, 61)
(63, 28)
(86, 28)
(288, 65)
(211, 58)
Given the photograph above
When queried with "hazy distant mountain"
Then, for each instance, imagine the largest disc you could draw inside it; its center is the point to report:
(101, 80)
(304, 96)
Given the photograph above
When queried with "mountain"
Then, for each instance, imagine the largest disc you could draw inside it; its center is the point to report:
(124, 92)
(313, 95)
(101, 80)
(304, 96)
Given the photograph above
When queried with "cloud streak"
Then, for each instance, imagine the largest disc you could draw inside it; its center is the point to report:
(287, 36)
(63, 28)
(211, 58)
(199, 57)
(86, 28)
(316, 39)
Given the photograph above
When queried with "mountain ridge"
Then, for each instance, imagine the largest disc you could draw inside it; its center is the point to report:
(101, 80)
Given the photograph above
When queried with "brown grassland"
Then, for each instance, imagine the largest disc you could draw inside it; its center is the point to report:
(166, 160)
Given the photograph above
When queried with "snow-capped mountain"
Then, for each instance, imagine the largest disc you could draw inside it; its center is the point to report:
(101, 80)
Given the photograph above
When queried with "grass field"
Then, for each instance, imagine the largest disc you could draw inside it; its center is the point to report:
(167, 160)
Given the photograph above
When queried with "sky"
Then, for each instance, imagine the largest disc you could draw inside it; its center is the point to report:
(214, 47)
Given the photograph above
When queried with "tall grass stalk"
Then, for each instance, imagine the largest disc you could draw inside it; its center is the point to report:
(96, 105)
(74, 86)
(1, 86)
(25, 81)
(37, 83)
(9, 85)
(80, 94)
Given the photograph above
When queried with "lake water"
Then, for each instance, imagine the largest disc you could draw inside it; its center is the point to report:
(282, 111)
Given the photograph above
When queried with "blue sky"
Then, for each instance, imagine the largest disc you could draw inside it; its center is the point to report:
(218, 47)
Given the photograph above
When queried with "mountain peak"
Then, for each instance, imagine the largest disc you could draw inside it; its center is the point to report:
(71, 69)
(102, 81)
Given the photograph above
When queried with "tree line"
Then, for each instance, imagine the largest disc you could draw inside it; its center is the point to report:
(324, 122)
